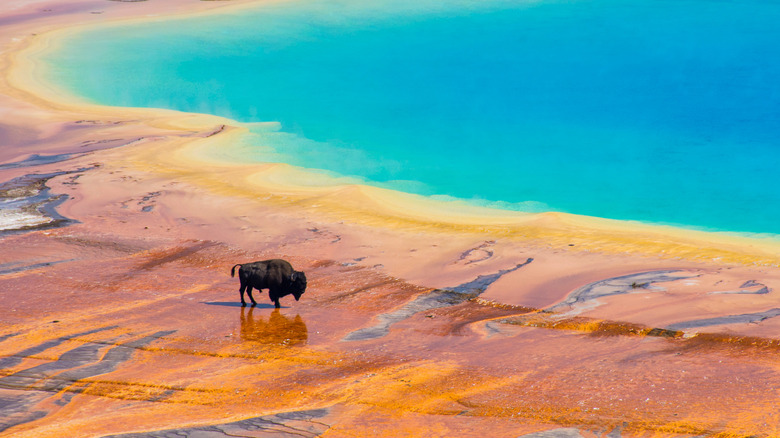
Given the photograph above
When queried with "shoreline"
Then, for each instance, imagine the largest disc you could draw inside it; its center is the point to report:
(420, 316)
(661, 223)
(391, 207)
(340, 197)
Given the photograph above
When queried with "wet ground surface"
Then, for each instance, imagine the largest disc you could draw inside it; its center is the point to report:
(27, 203)
(300, 423)
(142, 341)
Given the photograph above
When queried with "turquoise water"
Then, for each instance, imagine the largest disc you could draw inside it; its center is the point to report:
(662, 111)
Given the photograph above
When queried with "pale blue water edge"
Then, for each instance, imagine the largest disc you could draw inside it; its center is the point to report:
(662, 111)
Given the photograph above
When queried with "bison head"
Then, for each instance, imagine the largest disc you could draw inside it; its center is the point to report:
(298, 285)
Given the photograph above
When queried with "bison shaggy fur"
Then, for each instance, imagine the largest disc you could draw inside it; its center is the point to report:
(276, 275)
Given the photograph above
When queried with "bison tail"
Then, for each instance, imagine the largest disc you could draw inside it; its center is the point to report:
(233, 271)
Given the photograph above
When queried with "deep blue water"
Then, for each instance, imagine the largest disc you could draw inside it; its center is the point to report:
(663, 111)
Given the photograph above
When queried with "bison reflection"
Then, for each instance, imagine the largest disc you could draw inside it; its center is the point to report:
(277, 330)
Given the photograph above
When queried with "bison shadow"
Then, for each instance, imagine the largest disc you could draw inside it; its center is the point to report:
(237, 304)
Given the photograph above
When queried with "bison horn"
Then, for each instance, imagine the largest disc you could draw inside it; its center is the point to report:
(293, 276)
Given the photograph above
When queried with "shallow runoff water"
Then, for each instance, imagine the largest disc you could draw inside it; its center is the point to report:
(661, 111)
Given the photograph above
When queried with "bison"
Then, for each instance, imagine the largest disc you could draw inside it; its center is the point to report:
(278, 276)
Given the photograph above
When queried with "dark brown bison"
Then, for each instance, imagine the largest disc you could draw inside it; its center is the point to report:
(278, 276)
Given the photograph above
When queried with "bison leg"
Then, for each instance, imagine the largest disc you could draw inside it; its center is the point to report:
(274, 296)
(248, 288)
(249, 292)
(243, 287)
